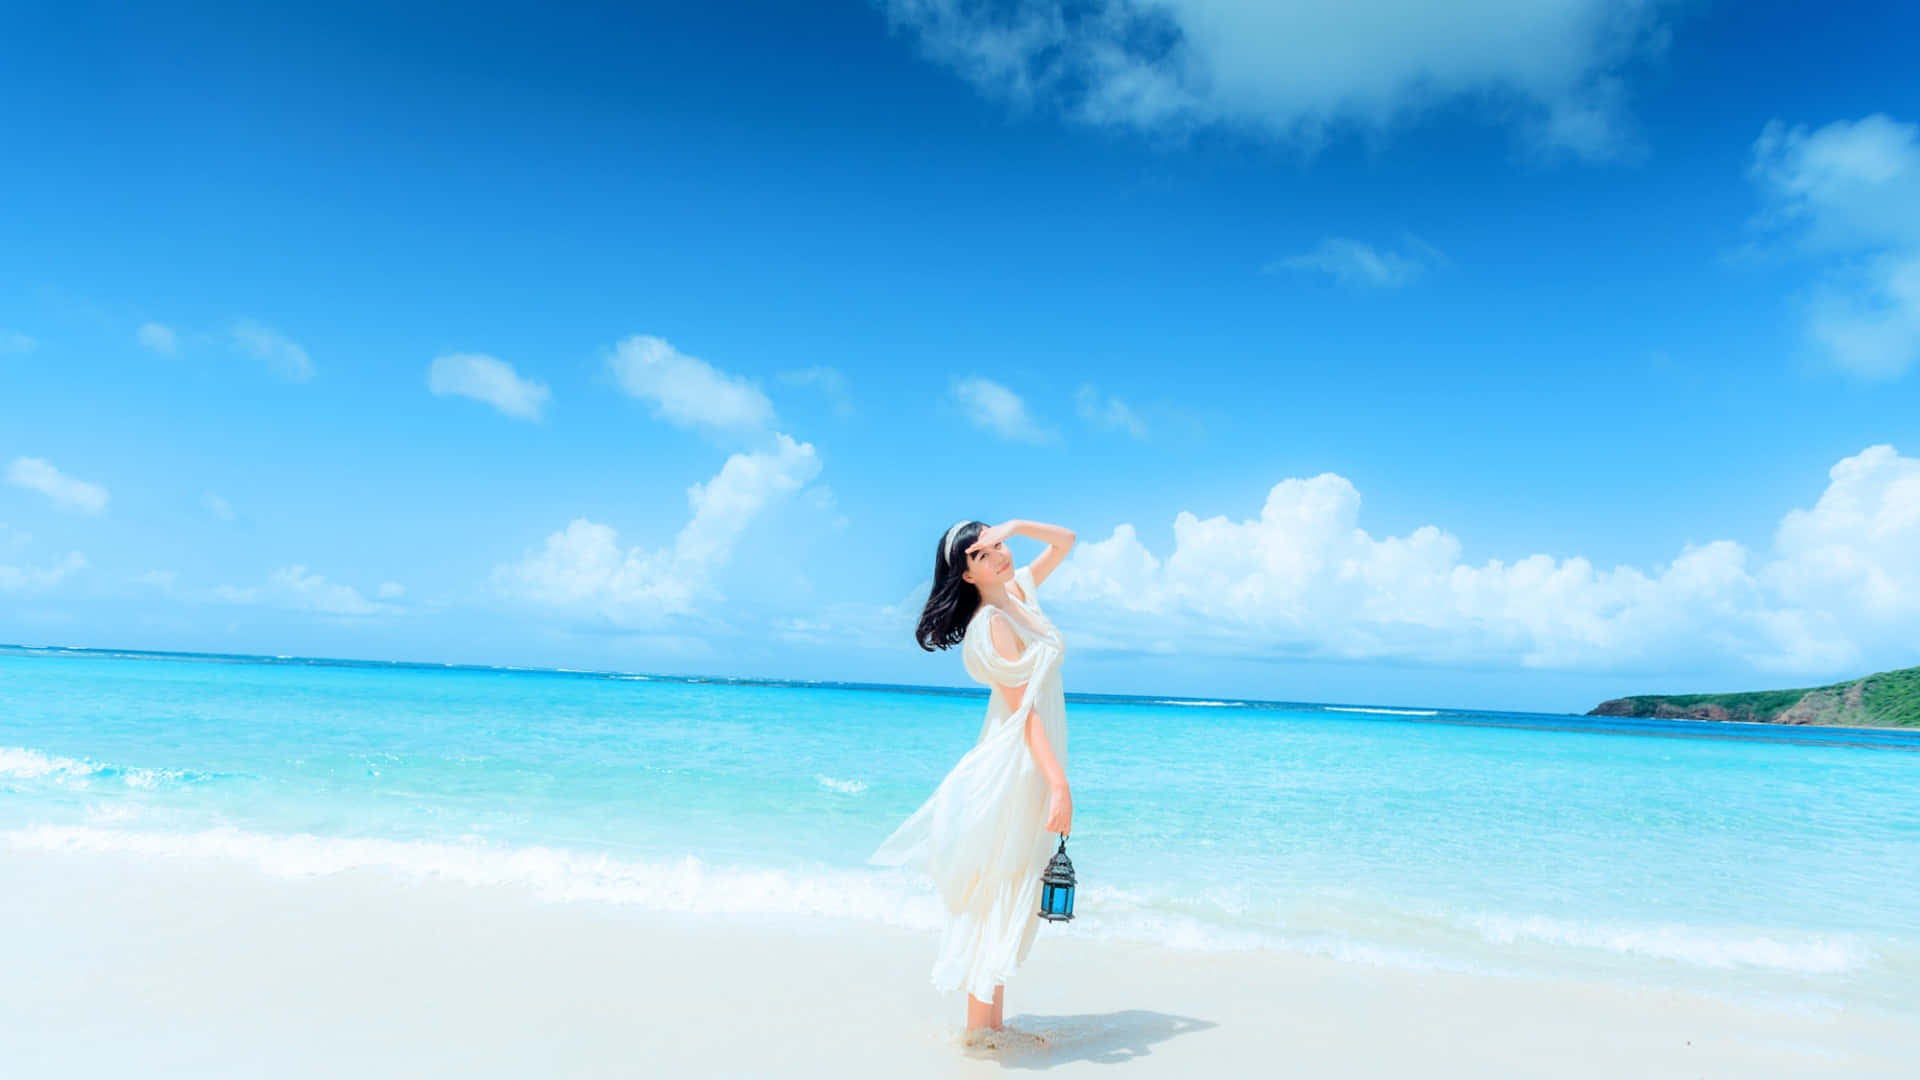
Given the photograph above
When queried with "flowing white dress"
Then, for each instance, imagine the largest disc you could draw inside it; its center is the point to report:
(982, 835)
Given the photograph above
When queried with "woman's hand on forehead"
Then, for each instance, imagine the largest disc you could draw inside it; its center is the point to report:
(991, 536)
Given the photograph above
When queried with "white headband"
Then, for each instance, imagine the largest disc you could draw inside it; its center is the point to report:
(946, 542)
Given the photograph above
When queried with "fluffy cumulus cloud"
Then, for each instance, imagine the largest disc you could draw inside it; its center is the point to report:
(686, 391)
(1855, 554)
(1300, 70)
(68, 493)
(1847, 196)
(157, 337)
(486, 379)
(993, 407)
(264, 343)
(1841, 585)
(295, 588)
(584, 569)
(1352, 262)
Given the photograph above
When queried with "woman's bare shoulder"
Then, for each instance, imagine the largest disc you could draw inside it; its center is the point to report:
(1005, 635)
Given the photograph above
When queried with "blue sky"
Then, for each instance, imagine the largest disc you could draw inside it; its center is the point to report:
(394, 334)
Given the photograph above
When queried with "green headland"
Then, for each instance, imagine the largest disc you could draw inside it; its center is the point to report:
(1889, 699)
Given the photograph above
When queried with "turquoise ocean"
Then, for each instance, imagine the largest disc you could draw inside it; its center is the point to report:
(1778, 865)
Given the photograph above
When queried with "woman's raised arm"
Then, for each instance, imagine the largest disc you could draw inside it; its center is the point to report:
(1058, 538)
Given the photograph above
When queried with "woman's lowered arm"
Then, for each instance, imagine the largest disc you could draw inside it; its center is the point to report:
(1007, 645)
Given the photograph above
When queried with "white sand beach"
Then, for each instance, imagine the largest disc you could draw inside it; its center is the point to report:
(123, 965)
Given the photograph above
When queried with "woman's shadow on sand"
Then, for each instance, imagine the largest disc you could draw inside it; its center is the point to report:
(1102, 1038)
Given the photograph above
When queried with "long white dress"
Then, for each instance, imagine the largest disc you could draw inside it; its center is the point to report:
(982, 835)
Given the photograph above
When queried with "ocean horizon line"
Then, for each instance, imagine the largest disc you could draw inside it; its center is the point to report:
(1893, 738)
(739, 680)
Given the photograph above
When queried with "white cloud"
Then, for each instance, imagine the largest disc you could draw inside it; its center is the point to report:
(726, 504)
(17, 578)
(30, 579)
(295, 588)
(1866, 318)
(1300, 71)
(264, 343)
(1303, 579)
(1850, 183)
(15, 342)
(217, 506)
(584, 569)
(1352, 262)
(484, 378)
(1848, 195)
(857, 624)
(686, 391)
(995, 408)
(1856, 552)
(830, 381)
(37, 474)
(1110, 412)
(157, 337)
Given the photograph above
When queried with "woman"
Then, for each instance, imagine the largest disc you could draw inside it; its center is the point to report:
(986, 833)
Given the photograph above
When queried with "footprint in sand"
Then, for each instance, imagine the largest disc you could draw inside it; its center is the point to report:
(1005, 1038)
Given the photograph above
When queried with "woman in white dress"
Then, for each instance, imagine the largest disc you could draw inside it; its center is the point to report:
(986, 833)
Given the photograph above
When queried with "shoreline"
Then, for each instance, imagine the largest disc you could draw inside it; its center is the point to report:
(122, 962)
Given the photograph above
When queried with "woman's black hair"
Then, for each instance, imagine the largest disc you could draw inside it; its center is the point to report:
(952, 601)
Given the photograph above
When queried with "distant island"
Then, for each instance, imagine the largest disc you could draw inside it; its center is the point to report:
(1889, 699)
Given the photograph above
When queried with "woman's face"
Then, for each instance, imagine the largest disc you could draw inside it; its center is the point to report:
(987, 563)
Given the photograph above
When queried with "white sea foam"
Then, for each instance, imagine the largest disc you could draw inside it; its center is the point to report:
(891, 896)
(23, 764)
(1197, 704)
(1383, 712)
(33, 765)
(844, 787)
(685, 885)
(1697, 947)
(902, 898)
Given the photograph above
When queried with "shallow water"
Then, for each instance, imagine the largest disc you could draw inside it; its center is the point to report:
(1776, 863)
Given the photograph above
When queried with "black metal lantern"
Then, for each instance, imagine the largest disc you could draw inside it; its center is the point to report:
(1056, 886)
